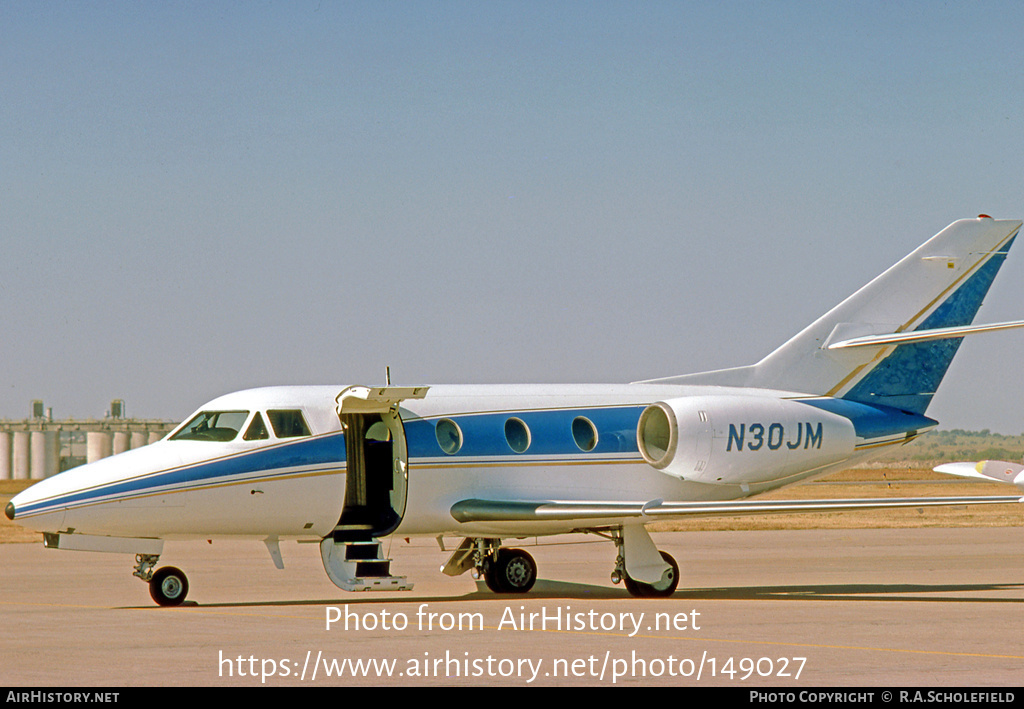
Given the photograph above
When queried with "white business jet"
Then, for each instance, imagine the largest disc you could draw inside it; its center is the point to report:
(344, 466)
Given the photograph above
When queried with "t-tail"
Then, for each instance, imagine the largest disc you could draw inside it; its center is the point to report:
(891, 342)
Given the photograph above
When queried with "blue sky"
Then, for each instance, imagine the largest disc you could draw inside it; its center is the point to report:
(202, 197)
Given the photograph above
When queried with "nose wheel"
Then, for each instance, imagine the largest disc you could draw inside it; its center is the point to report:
(514, 571)
(169, 586)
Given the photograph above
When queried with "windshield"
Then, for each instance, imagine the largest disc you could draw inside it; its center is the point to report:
(212, 426)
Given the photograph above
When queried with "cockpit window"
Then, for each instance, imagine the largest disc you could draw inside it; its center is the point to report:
(257, 430)
(212, 426)
(288, 423)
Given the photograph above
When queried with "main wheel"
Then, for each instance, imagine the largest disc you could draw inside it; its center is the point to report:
(169, 586)
(514, 571)
(665, 587)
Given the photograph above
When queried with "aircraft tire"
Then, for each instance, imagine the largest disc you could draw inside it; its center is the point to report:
(169, 586)
(666, 587)
(514, 571)
(491, 577)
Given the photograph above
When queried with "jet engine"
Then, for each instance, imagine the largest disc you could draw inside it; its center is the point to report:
(741, 439)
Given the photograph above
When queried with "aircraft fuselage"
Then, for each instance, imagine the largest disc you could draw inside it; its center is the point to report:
(511, 443)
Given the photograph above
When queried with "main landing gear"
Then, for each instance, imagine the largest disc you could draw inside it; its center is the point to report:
(168, 586)
(645, 571)
(660, 589)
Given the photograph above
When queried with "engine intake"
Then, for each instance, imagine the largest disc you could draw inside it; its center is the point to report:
(741, 439)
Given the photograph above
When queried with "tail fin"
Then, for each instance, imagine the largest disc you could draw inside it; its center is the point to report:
(941, 284)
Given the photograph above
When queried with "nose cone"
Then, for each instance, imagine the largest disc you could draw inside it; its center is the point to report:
(90, 496)
(32, 510)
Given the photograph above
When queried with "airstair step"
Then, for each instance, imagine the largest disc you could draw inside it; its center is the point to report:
(360, 566)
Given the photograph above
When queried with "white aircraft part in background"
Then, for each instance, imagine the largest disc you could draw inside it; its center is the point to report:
(344, 466)
(987, 470)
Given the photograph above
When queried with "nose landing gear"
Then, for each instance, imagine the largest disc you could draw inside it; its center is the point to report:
(168, 586)
(513, 571)
(503, 570)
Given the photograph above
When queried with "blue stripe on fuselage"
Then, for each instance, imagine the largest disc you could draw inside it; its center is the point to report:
(327, 450)
(483, 435)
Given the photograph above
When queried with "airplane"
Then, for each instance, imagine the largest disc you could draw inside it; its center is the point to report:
(345, 466)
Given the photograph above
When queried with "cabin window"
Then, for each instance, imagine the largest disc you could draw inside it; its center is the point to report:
(288, 423)
(584, 433)
(257, 430)
(212, 426)
(449, 436)
(517, 434)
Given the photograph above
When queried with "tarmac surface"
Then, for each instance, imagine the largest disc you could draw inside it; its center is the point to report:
(822, 608)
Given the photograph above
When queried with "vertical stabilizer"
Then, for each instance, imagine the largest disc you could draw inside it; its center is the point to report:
(940, 284)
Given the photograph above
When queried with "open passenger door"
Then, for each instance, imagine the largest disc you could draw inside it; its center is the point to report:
(376, 482)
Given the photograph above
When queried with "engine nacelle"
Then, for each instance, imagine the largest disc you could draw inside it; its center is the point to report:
(741, 439)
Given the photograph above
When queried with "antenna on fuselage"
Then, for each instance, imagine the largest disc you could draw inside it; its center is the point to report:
(387, 375)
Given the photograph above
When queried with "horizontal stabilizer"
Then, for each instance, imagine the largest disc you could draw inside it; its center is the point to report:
(986, 470)
(941, 333)
(549, 511)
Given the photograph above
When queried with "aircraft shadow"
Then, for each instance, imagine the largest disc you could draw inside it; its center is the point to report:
(895, 592)
(563, 590)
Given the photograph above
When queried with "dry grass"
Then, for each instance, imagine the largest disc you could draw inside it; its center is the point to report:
(858, 482)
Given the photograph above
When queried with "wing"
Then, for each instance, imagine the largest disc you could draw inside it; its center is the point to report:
(474, 510)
